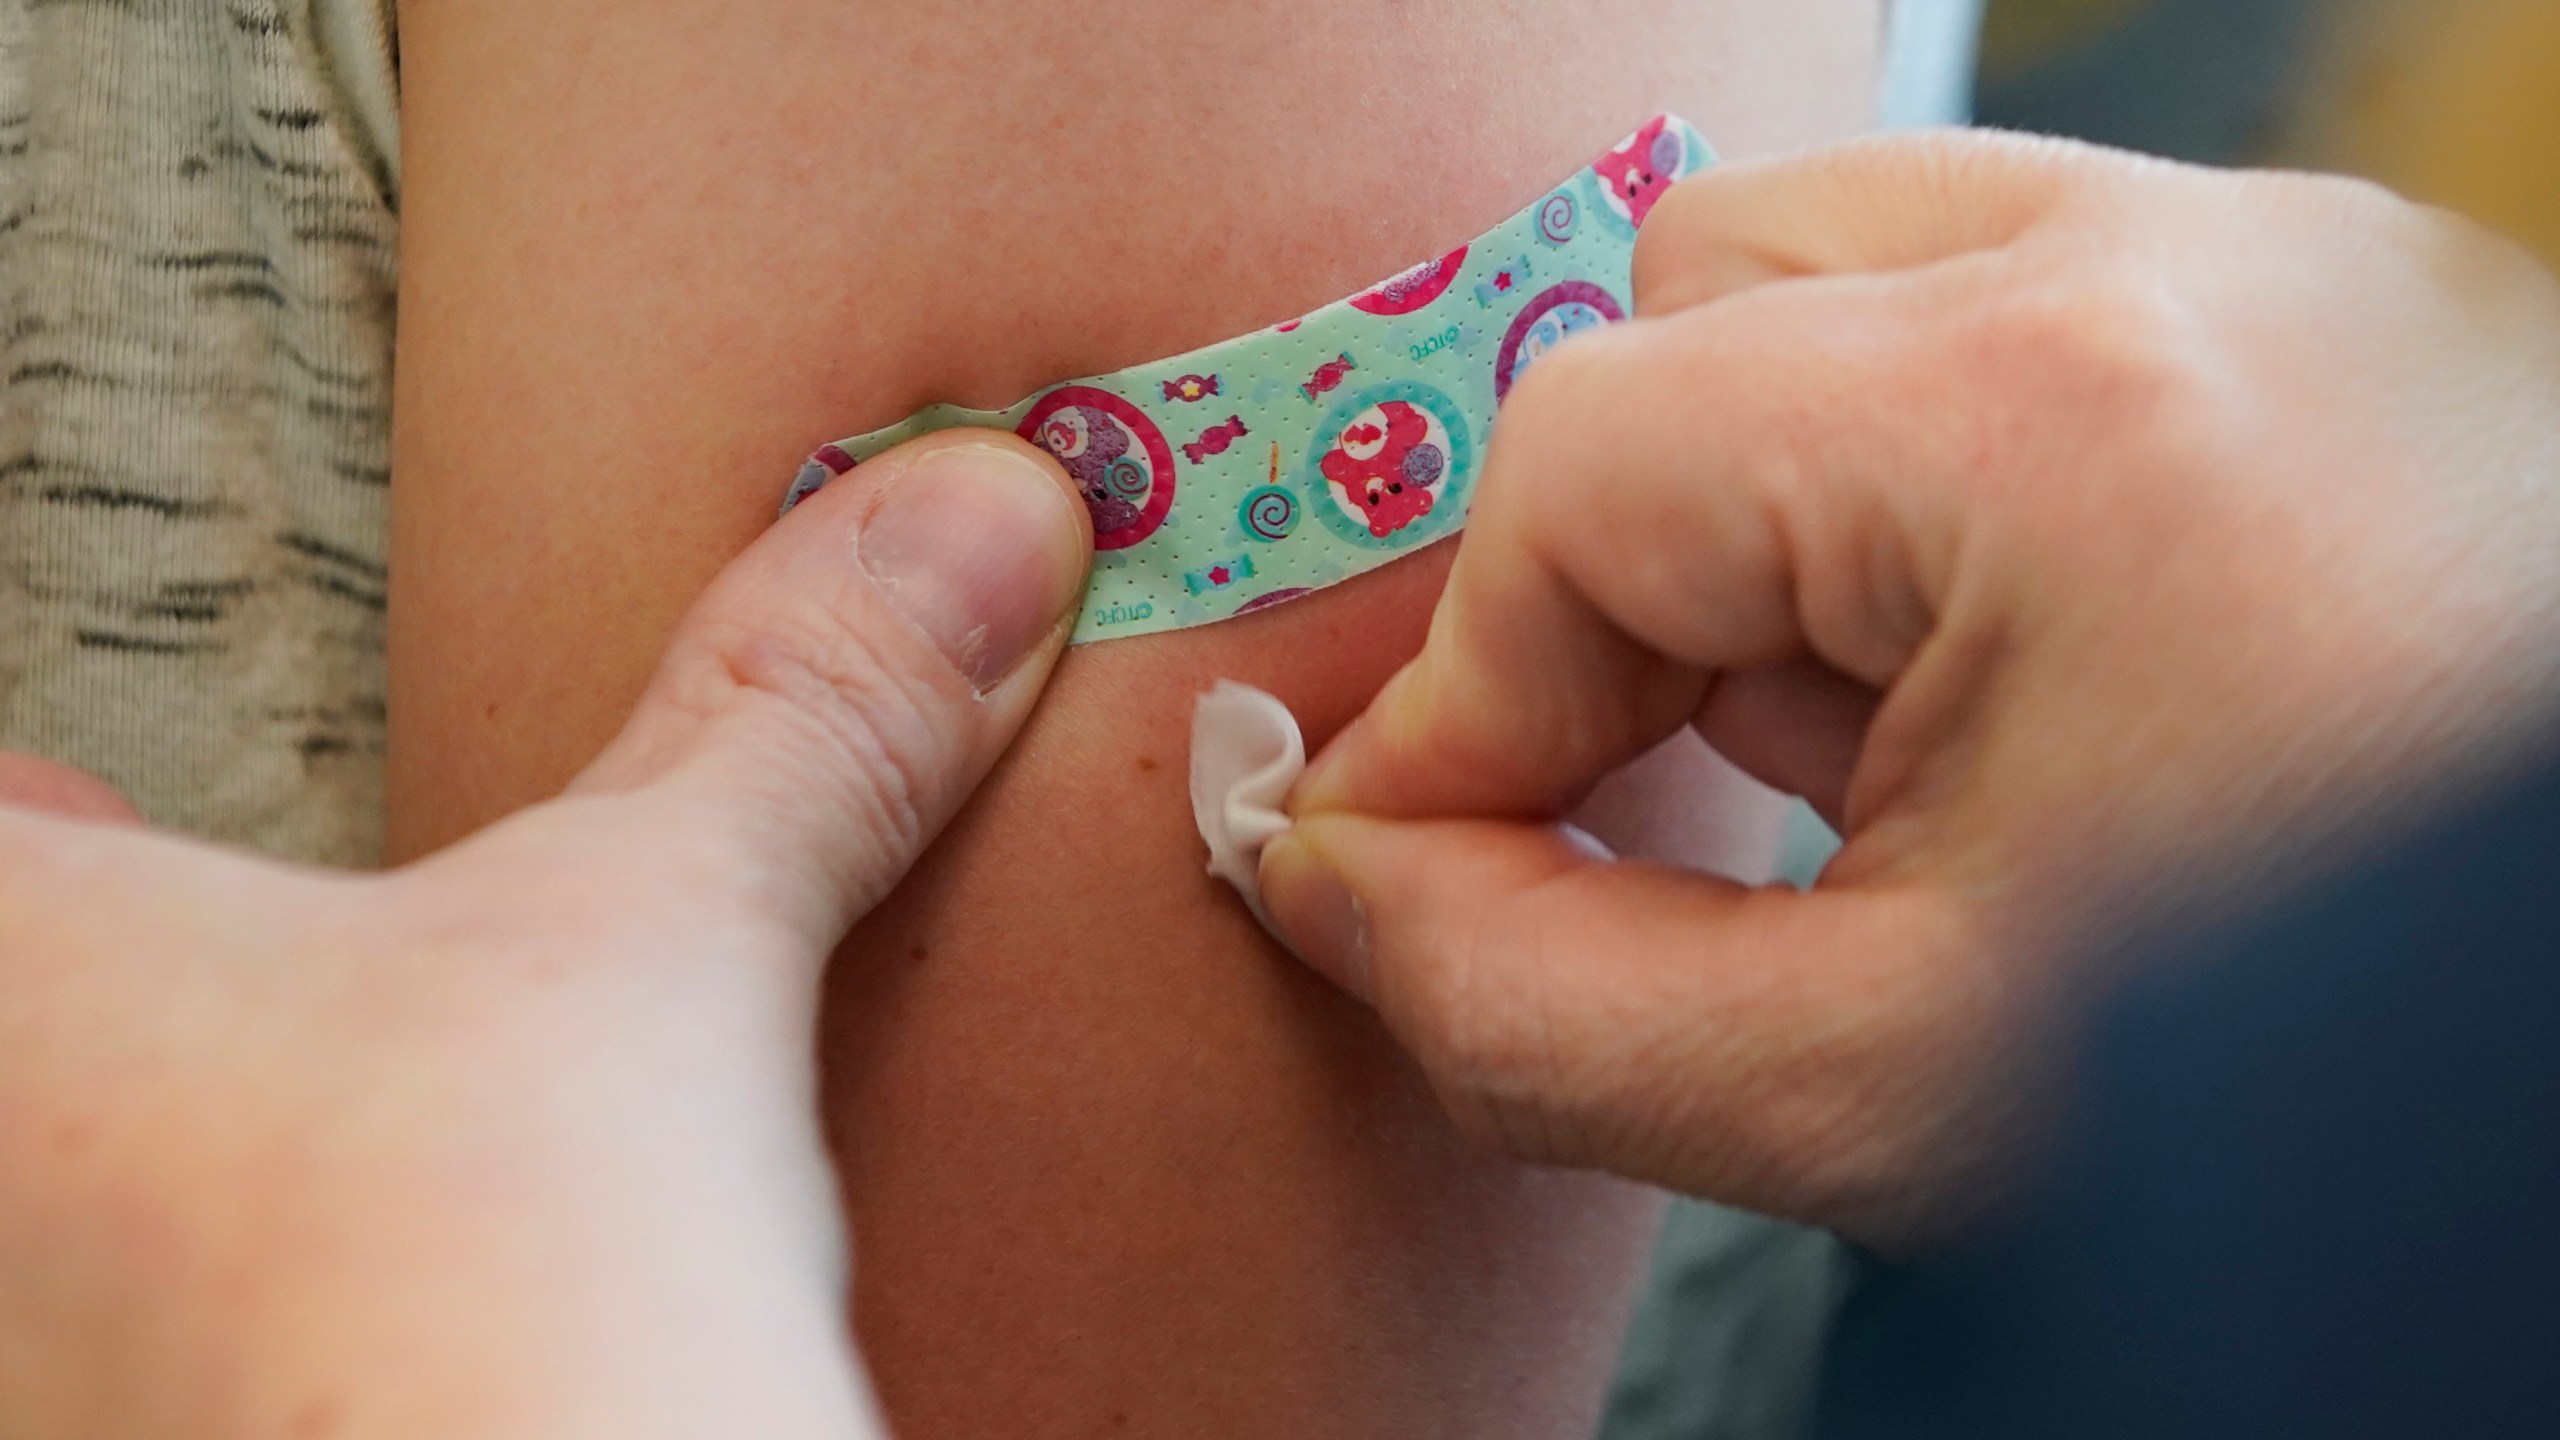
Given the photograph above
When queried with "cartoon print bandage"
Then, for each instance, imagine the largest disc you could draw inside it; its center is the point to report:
(1256, 470)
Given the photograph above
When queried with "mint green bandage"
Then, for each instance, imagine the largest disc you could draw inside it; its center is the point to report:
(1261, 468)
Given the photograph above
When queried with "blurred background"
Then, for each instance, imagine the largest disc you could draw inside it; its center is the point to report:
(2454, 102)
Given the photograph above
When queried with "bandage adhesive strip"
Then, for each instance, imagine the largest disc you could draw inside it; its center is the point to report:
(1256, 470)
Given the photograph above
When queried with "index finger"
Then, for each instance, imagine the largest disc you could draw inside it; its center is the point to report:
(1741, 486)
(1887, 203)
(1669, 499)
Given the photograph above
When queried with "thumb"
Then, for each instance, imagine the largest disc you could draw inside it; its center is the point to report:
(843, 686)
(49, 787)
(1789, 1053)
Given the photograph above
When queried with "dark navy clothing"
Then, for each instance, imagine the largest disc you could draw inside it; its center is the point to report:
(2311, 1187)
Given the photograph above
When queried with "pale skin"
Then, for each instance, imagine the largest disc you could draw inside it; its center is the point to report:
(1114, 1165)
(521, 1140)
(2084, 537)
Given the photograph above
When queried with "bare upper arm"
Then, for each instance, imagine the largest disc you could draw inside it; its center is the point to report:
(1111, 1158)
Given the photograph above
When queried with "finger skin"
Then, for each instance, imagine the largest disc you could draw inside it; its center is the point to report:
(1786, 453)
(1789, 1053)
(1869, 206)
(2115, 570)
(1771, 539)
(1797, 728)
(803, 740)
(49, 787)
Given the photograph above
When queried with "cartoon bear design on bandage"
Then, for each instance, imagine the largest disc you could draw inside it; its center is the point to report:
(1387, 470)
(1636, 173)
(1116, 455)
(1087, 442)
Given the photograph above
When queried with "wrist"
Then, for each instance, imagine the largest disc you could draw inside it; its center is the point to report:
(571, 1263)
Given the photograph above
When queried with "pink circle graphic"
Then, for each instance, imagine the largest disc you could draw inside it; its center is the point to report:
(1118, 457)
(1414, 288)
(1557, 311)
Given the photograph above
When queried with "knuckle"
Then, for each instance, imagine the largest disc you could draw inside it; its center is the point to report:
(2351, 221)
(837, 699)
(2488, 275)
(2107, 347)
(1575, 393)
(1975, 162)
(2325, 199)
(1940, 169)
(1684, 217)
(1692, 248)
(1964, 172)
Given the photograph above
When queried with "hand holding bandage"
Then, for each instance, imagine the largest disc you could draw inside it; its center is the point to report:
(517, 1140)
(2074, 531)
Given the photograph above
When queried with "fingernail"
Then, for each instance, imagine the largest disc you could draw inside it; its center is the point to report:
(1315, 914)
(979, 548)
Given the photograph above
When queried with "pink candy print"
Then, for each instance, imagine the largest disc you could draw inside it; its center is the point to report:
(1327, 376)
(1215, 439)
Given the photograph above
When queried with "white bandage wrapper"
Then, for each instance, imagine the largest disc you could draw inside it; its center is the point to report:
(1245, 754)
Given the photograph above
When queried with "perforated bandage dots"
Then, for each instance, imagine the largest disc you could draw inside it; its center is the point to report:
(1257, 470)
